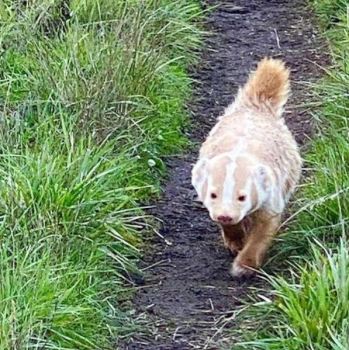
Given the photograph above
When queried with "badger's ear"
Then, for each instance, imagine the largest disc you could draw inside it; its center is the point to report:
(262, 176)
(199, 177)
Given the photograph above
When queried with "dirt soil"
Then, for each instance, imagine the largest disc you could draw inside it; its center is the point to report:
(188, 296)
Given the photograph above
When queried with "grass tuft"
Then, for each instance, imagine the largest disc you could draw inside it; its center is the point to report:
(91, 99)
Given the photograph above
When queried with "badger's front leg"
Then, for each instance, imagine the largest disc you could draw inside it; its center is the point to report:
(258, 241)
(233, 237)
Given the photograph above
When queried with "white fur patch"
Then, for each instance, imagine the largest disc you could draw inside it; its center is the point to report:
(276, 201)
(229, 184)
(229, 181)
(199, 176)
(238, 270)
(248, 201)
(207, 200)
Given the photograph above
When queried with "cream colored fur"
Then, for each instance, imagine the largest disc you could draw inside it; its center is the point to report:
(249, 166)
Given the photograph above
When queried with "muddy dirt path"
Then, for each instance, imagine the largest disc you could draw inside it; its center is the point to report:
(188, 296)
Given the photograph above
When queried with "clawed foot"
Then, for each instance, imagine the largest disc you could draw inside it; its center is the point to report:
(239, 270)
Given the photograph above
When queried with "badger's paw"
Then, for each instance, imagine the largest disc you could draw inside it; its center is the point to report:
(240, 271)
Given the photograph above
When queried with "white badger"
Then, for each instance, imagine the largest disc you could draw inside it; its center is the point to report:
(249, 166)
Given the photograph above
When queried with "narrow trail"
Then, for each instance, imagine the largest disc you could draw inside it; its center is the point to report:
(188, 295)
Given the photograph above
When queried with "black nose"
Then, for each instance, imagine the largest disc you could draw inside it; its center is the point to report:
(225, 219)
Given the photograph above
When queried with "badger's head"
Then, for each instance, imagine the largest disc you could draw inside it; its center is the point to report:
(231, 188)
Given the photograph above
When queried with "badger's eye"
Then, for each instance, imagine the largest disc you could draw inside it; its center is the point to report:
(213, 195)
(242, 198)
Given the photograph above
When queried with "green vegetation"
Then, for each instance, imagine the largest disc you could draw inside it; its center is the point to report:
(309, 308)
(91, 97)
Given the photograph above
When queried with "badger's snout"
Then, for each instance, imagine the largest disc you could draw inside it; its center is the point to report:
(226, 219)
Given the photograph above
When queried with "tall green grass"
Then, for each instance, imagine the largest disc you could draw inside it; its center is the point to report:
(91, 98)
(308, 307)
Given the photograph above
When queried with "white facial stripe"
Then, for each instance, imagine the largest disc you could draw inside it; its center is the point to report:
(260, 192)
(255, 206)
(248, 203)
(208, 194)
(273, 198)
(199, 176)
(277, 195)
(229, 184)
(200, 186)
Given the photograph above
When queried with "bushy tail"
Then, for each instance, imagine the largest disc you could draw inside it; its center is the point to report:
(267, 88)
